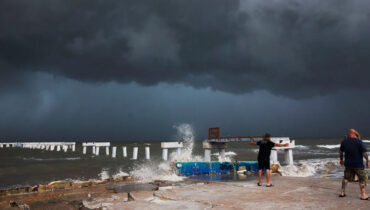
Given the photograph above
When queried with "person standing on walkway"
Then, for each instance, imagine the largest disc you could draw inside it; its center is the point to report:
(354, 151)
(264, 157)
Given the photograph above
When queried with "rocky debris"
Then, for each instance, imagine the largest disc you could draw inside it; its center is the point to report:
(62, 185)
(18, 205)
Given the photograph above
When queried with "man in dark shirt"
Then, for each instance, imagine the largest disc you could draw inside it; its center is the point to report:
(264, 157)
(354, 151)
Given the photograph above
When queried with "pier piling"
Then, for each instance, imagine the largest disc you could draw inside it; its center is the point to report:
(124, 151)
(134, 153)
(114, 149)
(147, 152)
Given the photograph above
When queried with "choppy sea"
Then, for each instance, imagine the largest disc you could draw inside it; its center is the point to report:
(23, 167)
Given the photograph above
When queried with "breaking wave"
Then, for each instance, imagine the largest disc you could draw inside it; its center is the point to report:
(311, 167)
(329, 146)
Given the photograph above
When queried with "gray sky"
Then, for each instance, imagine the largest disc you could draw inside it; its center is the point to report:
(131, 70)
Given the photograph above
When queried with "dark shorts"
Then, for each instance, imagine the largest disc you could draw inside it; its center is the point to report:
(349, 174)
(263, 164)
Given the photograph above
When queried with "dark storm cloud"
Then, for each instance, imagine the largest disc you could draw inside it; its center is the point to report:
(296, 48)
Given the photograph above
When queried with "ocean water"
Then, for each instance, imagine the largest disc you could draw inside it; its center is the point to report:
(23, 167)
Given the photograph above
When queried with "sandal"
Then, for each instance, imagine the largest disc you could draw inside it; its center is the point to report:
(258, 184)
(366, 199)
(271, 185)
(341, 196)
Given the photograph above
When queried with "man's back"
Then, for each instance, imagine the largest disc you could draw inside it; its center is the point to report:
(353, 149)
(265, 149)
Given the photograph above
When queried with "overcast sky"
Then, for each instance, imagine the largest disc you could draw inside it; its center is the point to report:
(132, 70)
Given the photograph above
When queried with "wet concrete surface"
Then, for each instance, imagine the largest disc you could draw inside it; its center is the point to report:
(287, 193)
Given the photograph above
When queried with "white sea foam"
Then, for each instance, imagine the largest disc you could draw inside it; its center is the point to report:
(311, 167)
(329, 146)
(51, 159)
(186, 134)
(228, 156)
(149, 172)
(301, 146)
(119, 174)
(103, 175)
(229, 153)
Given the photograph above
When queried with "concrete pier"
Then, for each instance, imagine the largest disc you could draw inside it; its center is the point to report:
(170, 145)
(95, 146)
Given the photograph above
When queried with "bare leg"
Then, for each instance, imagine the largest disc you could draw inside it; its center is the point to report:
(344, 184)
(260, 177)
(267, 177)
(363, 191)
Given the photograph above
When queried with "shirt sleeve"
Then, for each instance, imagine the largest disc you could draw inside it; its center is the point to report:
(341, 147)
(272, 144)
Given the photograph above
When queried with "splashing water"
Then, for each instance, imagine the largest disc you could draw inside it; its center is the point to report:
(311, 167)
(186, 134)
(151, 171)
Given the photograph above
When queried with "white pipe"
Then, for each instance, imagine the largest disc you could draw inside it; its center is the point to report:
(84, 150)
(97, 151)
(165, 154)
(73, 148)
(93, 150)
(114, 149)
(134, 153)
(147, 152)
(107, 150)
(124, 151)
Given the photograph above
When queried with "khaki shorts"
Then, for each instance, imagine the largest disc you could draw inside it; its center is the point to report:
(349, 174)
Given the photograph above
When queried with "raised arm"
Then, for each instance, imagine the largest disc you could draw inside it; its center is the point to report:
(253, 143)
(341, 157)
(281, 145)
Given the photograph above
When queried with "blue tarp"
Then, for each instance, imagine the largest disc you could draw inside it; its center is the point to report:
(197, 168)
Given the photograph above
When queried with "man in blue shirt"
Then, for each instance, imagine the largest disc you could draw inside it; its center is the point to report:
(354, 151)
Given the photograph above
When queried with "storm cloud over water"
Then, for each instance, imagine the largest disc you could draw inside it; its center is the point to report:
(303, 51)
(295, 48)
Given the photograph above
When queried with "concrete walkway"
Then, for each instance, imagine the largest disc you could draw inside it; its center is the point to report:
(287, 193)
